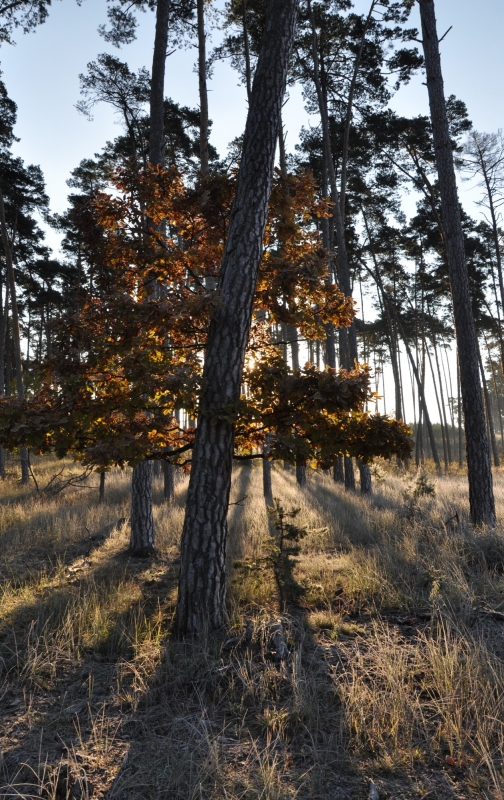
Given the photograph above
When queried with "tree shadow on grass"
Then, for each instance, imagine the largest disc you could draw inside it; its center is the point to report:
(76, 656)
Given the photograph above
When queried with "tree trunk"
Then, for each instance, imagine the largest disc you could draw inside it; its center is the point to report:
(16, 331)
(3, 339)
(348, 337)
(142, 523)
(156, 136)
(203, 92)
(496, 391)
(366, 486)
(421, 394)
(349, 474)
(267, 486)
(442, 402)
(168, 482)
(481, 497)
(246, 51)
(301, 473)
(440, 410)
(202, 586)
(338, 471)
(491, 427)
(330, 342)
(419, 449)
(349, 110)
(459, 414)
(292, 338)
(101, 497)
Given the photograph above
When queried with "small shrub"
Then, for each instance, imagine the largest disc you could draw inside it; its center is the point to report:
(280, 551)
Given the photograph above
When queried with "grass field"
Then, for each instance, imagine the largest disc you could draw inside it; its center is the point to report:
(394, 677)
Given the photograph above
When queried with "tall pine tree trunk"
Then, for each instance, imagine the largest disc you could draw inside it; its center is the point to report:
(246, 51)
(267, 485)
(3, 341)
(156, 137)
(488, 404)
(16, 330)
(301, 473)
(142, 523)
(338, 471)
(366, 486)
(349, 474)
(481, 497)
(168, 482)
(202, 587)
(101, 496)
(442, 402)
(203, 92)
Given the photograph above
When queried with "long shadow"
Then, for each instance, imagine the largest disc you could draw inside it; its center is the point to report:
(66, 691)
(332, 498)
(240, 489)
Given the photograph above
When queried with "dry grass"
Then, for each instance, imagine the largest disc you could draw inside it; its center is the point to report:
(395, 672)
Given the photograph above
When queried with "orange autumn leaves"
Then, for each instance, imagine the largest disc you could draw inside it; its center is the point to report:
(130, 354)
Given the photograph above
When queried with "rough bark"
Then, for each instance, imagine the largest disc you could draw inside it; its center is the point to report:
(203, 92)
(366, 485)
(349, 474)
(338, 471)
(156, 136)
(202, 586)
(168, 482)
(142, 523)
(481, 497)
(459, 415)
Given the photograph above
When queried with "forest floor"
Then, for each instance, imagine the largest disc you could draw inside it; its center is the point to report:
(393, 686)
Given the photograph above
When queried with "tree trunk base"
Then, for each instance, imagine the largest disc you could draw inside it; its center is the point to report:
(267, 486)
(349, 474)
(169, 482)
(102, 488)
(142, 522)
(25, 466)
(338, 472)
(301, 474)
(366, 485)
